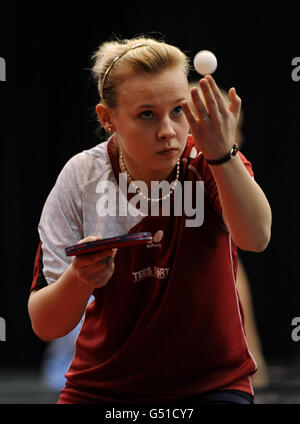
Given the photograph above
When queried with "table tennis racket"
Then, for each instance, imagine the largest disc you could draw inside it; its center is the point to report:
(126, 240)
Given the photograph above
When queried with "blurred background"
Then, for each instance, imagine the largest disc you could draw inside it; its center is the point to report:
(47, 115)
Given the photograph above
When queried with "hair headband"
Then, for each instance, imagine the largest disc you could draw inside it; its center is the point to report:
(115, 60)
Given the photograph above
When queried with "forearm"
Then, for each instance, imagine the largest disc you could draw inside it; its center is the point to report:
(245, 208)
(57, 308)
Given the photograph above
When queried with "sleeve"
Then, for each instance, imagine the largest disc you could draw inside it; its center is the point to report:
(247, 164)
(60, 226)
(38, 280)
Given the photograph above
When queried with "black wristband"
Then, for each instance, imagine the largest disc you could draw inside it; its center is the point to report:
(225, 158)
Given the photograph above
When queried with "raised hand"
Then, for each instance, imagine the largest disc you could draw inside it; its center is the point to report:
(214, 123)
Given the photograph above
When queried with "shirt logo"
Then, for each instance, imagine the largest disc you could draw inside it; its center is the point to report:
(156, 240)
(155, 272)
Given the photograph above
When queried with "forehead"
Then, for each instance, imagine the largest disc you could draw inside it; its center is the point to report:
(149, 88)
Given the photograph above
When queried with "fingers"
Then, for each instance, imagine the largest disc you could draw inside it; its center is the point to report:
(214, 100)
(192, 121)
(213, 91)
(95, 269)
(211, 117)
(199, 106)
(235, 103)
(234, 99)
(108, 260)
(188, 113)
(94, 257)
(209, 96)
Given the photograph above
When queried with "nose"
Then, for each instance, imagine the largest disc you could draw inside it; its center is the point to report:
(166, 131)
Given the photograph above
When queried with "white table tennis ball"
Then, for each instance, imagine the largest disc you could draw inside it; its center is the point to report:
(205, 62)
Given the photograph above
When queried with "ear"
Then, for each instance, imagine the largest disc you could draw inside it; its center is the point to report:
(105, 117)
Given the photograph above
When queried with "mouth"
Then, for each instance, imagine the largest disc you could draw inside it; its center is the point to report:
(168, 151)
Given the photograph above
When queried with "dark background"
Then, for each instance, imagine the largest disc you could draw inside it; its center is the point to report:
(47, 115)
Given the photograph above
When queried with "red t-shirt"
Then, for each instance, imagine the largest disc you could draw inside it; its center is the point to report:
(169, 323)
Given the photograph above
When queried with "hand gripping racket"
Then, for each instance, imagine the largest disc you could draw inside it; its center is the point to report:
(131, 239)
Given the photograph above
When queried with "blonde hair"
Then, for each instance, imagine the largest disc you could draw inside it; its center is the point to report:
(116, 60)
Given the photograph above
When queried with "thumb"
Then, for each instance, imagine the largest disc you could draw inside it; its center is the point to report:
(87, 239)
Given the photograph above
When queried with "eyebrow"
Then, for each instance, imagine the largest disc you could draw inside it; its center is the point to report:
(150, 106)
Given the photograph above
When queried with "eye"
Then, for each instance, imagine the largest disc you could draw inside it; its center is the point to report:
(178, 111)
(147, 114)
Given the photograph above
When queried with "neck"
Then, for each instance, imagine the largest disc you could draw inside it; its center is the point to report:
(139, 173)
(131, 179)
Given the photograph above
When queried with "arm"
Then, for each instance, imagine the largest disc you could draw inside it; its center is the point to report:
(57, 308)
(245, 209)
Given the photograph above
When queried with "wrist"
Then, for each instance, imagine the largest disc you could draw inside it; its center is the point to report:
(230, 155)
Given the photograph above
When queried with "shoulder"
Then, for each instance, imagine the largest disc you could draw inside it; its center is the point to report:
(85, 167)
(79, 172)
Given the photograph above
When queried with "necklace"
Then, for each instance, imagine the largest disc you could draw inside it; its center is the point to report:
(138, 190)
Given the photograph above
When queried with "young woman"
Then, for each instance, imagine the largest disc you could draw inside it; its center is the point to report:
(166, 324)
